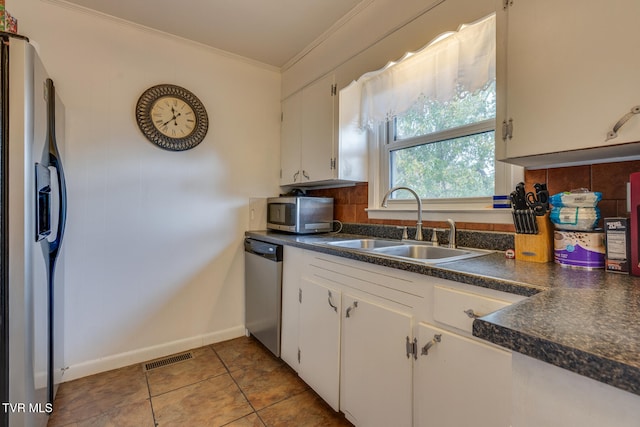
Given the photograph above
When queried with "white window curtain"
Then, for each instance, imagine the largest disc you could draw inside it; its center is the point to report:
(454, 62)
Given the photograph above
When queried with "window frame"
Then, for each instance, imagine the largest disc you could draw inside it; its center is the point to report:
(472, 210)
(469, 209)
(390, 144)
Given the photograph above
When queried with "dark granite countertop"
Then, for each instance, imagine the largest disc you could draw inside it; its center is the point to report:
(585, 321)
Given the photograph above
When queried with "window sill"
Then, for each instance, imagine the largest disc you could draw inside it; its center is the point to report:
(478, 215)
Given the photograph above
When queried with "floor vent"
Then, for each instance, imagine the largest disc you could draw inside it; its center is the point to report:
(168, 361)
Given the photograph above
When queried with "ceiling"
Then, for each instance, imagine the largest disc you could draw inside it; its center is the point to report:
(269, 31)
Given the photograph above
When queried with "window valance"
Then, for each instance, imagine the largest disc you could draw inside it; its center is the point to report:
(453, 63)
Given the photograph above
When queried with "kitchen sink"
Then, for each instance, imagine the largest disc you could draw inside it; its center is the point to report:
(428, 253)
(409, 250)
(365, 243)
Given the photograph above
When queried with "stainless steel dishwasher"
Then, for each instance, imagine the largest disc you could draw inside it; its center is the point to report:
(263, 292)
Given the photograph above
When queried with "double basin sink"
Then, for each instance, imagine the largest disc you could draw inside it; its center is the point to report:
(409, 250)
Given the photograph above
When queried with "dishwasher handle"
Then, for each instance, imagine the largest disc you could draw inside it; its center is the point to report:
(266, 250)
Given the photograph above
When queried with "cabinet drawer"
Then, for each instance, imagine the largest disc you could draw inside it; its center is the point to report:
(452, 307)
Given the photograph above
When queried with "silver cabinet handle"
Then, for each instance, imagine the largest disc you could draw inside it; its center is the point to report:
(351, 308)
(471, 314)
(304, 173)
(335, 308)
(436, 339)
(613, 133)
(295, 176)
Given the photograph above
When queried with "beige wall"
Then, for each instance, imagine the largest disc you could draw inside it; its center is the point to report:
(154, 258)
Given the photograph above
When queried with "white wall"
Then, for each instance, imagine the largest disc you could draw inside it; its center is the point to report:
(154, 257)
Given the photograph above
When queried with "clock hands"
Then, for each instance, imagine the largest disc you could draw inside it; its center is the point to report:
(176, 111)
(173, 119)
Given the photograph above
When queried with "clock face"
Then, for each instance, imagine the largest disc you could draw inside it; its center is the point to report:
(171, 117)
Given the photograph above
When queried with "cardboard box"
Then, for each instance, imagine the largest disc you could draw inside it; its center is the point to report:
(3, 16)
(618, 245)
(11, 23)
(8, 23)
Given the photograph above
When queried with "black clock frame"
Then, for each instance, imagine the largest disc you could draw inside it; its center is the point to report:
(148, 129)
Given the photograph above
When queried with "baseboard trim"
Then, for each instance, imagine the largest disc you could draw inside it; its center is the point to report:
(141, 355)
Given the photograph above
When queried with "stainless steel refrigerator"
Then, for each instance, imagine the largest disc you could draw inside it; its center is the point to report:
(32, 222)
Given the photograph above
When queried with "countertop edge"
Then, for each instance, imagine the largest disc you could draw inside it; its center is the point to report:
(446, 271)
(604, 370)
(625, 376)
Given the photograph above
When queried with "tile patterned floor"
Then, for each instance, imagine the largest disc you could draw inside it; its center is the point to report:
(235, 383)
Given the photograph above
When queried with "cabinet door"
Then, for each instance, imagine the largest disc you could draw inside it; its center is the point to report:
(291, 276)
(572, 73)
(319, 339)
(376, 371)
(290, 139)
(461, 381)
(318, 105)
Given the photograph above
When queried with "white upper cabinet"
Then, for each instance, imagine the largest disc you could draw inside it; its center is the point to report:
(313, 151)
(290, 139)
(568, 75)
(308, 134)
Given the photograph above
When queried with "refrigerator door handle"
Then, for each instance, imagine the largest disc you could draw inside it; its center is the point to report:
(54, 246)
(53, 161)
(43, 202)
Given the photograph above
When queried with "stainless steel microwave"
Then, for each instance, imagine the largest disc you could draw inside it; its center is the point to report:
(300, 215)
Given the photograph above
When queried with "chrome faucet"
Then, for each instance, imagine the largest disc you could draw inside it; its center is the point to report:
(452, 233)
(419, 223)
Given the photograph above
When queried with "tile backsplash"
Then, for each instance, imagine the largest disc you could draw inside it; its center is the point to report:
(608, 178)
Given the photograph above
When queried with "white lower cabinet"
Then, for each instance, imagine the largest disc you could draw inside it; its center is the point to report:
(358, 340)
(291, 275)
(319, 339)
(376, 370)
(460, 381)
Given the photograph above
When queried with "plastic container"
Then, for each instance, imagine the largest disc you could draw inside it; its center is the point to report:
(579, 249)
(576, 219)
(576, 199)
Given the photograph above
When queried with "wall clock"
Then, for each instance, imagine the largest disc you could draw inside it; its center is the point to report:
(172, 117)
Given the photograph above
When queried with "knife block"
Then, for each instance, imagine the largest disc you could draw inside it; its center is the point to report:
(536, 247)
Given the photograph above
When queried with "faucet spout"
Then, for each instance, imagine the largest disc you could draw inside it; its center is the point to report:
(452, 233)
(419, 223)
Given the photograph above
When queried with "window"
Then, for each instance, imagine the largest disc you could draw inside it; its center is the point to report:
(431, 116)
(444, 150)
